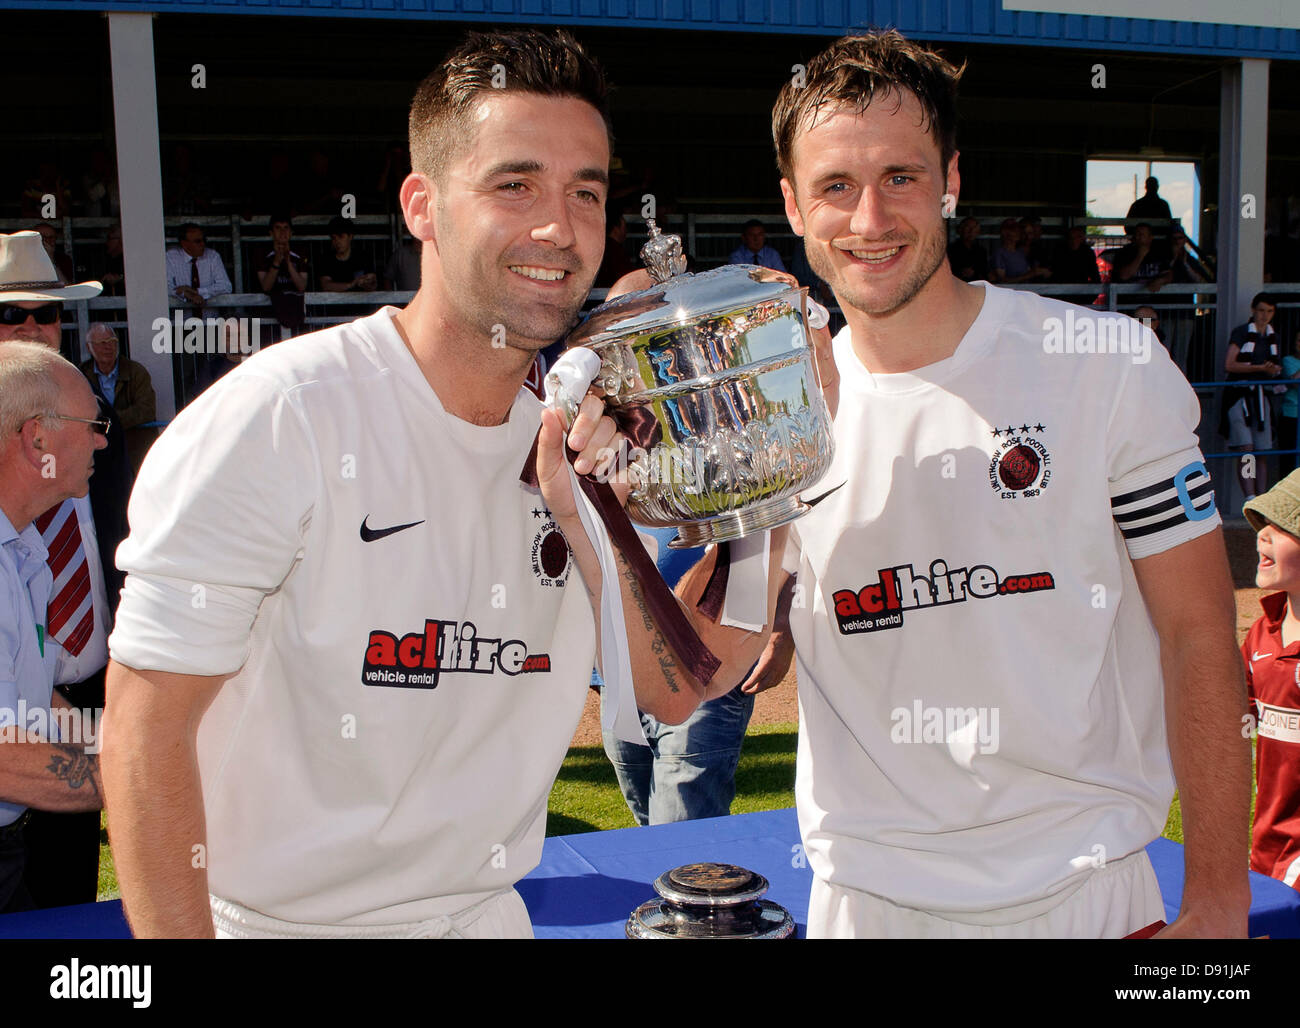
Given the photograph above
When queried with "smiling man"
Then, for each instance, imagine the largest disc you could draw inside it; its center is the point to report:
(353, 647)
(1021, 607)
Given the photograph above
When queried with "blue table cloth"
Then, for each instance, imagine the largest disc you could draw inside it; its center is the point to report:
(586, 885)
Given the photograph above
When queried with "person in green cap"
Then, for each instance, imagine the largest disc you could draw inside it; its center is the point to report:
(1272, 654)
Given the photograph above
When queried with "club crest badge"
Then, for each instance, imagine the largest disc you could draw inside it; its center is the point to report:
(1021, 464)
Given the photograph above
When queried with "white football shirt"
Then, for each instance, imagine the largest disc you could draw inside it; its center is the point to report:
(981, 708)
(410, 637)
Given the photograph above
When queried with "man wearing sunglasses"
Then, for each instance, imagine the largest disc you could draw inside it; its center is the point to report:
(49, 434)
(81, 533)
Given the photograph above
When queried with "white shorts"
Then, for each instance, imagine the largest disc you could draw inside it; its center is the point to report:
(1113, 901)
(500, 916)
(1243, 436)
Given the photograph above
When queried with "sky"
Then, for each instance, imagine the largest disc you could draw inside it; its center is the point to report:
(1110, 190)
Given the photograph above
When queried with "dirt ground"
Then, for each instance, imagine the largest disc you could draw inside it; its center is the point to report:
(780, 704)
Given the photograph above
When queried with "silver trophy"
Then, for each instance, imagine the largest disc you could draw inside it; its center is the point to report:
(722, 362)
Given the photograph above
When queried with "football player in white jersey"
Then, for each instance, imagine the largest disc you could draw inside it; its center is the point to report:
(1018, 609)
(353, 646)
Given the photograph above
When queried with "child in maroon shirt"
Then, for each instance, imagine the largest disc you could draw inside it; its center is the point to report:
(1272, 655)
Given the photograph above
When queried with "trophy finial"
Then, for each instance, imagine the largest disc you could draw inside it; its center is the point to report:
(662, 254)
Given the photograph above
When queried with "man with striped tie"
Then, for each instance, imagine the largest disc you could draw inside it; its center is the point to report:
(80, 533)
(49, 432)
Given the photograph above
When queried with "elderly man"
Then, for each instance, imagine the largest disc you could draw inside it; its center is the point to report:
(195, 273)
(125, 386)
(82, 535)
(49, 431)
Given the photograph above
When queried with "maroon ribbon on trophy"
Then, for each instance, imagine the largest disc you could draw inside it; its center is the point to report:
(642, 430)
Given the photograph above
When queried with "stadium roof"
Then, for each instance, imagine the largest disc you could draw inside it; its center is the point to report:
(1276, 34)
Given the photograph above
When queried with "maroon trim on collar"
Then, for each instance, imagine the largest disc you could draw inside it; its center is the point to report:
(1274, 605)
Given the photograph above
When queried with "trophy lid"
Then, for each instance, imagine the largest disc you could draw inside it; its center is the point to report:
(684, 300)
(679, 298)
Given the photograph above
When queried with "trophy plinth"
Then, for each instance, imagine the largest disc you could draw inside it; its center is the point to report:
(710, 901)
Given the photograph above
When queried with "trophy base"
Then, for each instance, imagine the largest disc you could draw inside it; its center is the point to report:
(758, 518)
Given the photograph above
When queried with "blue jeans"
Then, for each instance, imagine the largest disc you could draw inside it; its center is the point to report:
(689, 770)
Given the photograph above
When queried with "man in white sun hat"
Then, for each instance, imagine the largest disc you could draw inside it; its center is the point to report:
(81, 534)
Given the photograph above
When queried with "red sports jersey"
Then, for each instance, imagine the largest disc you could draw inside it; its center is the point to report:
(1273, 679)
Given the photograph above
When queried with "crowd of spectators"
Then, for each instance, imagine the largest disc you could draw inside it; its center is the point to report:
(1023, 255)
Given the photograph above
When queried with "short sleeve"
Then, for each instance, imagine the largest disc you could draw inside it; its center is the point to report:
(217, 520)
(1160, 490)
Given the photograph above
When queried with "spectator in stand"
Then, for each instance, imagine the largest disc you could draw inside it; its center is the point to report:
(344, 271)
(1151, 205)
(1183, 267)
(403, 270)
(125, 386)
(50, 239)
(113, 272)
(753, 248)
(1009, 262)
(966, 254)
(1143, 261)
(195, 273)
(614, 264)
(185, 190)
(1287, 435)
(1076, 261)
(1150, 317)
(282, 275)
(1247, 416)
(1033, 245)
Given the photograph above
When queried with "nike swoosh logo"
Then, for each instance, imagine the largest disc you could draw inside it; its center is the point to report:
(369, 535)
(816, 500)
(1260, 656)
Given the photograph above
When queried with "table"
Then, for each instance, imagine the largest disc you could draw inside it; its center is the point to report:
(586, 885)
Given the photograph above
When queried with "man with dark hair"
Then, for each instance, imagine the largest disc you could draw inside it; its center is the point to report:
(1247, 418)
(282, 275)
(1150, 204)
(1144, 261)
(1076, 261)
(194, 272)
(344, 271)
(1006, 781)
(399, 635)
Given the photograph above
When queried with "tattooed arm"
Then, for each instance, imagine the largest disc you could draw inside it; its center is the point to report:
(48, 775)
(664, 688)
